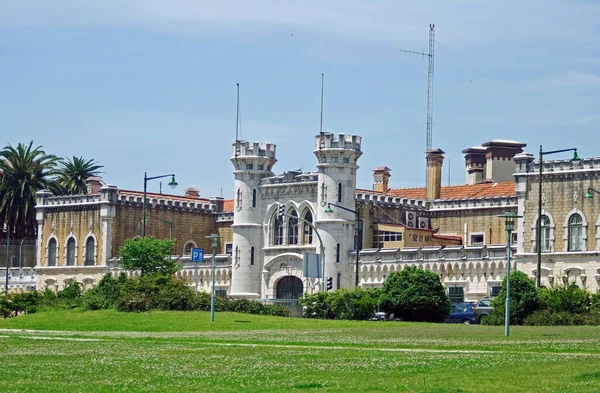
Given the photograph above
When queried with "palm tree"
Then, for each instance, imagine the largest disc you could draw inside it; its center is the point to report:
(24, 171)
(72, 174)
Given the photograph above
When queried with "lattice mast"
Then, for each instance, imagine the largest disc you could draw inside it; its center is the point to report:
(431, 57)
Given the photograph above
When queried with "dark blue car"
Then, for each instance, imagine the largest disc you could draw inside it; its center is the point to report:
(461, 313)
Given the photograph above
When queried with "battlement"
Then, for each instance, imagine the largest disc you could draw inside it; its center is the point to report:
(291, 177)
(242, 149)
(526, 165)
(327, 140)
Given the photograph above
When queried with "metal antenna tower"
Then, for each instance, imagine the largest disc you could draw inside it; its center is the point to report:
(430, 56)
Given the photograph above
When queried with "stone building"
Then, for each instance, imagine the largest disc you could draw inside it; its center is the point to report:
(570, 235)
(452, 231)
(79, 236)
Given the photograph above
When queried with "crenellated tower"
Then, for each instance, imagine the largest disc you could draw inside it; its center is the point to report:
(337, 156)
(252, 162)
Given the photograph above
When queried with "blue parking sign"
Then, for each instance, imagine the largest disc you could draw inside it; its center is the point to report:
(197, 255)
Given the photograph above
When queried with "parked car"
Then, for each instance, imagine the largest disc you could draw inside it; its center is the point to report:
(461, 313)
(379, 316)
(482, 309)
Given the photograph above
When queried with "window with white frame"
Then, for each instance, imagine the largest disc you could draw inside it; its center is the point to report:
(52, 251)
(292, 227)
(71, 245)
(277, 230)
(187, 248)
(575, 233)
(228, 248)
(90, 251)
(307, 236)
(545, 243)
(477, 239)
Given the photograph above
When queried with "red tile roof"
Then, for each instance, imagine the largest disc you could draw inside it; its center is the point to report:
(481, 190)
(228, 205)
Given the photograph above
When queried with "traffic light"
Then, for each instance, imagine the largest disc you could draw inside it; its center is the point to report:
(281, 210)
(329, 283)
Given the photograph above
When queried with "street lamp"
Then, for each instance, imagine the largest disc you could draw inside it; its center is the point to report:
(358, 238)
(538, 240)
(589, 195)
(510, 226)
(172, 184)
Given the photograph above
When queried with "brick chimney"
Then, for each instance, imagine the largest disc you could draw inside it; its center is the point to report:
(435, 159)
(93, 184)
(475, 164)
(381, 176)
(192, 192)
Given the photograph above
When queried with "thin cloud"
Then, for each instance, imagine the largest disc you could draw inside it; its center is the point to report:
(571, 79)
(460, 21)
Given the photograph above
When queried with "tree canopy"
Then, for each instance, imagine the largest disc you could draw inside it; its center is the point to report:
(73, 173)
(415, 295)
(148, 255)
(25, 171)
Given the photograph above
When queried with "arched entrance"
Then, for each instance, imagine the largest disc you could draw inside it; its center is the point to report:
(289, 287)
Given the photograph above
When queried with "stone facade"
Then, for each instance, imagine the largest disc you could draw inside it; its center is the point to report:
(79, 236)
(570, 241)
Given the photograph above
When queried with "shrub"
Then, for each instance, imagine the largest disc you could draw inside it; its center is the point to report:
(317, 305)
(177, 296)
(141, 293)
(566, 298)
(415, 295)
(523, 300)
(353, 304)
(551, 318)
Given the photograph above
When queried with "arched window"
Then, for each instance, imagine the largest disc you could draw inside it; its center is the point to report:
(254, 198)
(252, 255)
(52, 246)
(277, 230)
(545, 238)
(307, 233)
(90, 251)
(575, 233)
(337, 252)
(293, 227)
(339, 199)
(71, 252)
(187, 248)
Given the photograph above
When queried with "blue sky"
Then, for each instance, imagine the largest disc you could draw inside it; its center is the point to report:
(149, 85)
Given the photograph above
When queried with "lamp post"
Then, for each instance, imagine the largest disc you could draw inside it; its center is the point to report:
(329, 210)
(215, 238)
(7, 255)
(589, 195)
(538, 240)
(510, 225)
(172, 184)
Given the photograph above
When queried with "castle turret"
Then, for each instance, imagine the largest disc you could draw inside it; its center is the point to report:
(252, 162)
(337, 156)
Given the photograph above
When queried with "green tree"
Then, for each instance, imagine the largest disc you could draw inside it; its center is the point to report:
(24, 171)
(415, 295)
(523, 299)
(73, 173)
(148, 255)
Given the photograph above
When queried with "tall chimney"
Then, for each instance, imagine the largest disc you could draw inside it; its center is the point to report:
(93, 184)
(435, 159)
(192, 192)
(381, 176)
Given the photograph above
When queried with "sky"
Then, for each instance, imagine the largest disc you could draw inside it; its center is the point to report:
(150, 85)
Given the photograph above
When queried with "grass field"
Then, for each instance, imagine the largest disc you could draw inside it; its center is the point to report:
(103, 351)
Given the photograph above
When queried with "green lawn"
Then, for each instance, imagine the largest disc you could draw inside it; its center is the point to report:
(73, 351)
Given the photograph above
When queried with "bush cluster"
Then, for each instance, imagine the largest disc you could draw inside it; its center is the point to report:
(349, 304)
(562, 304)
(145, 293)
